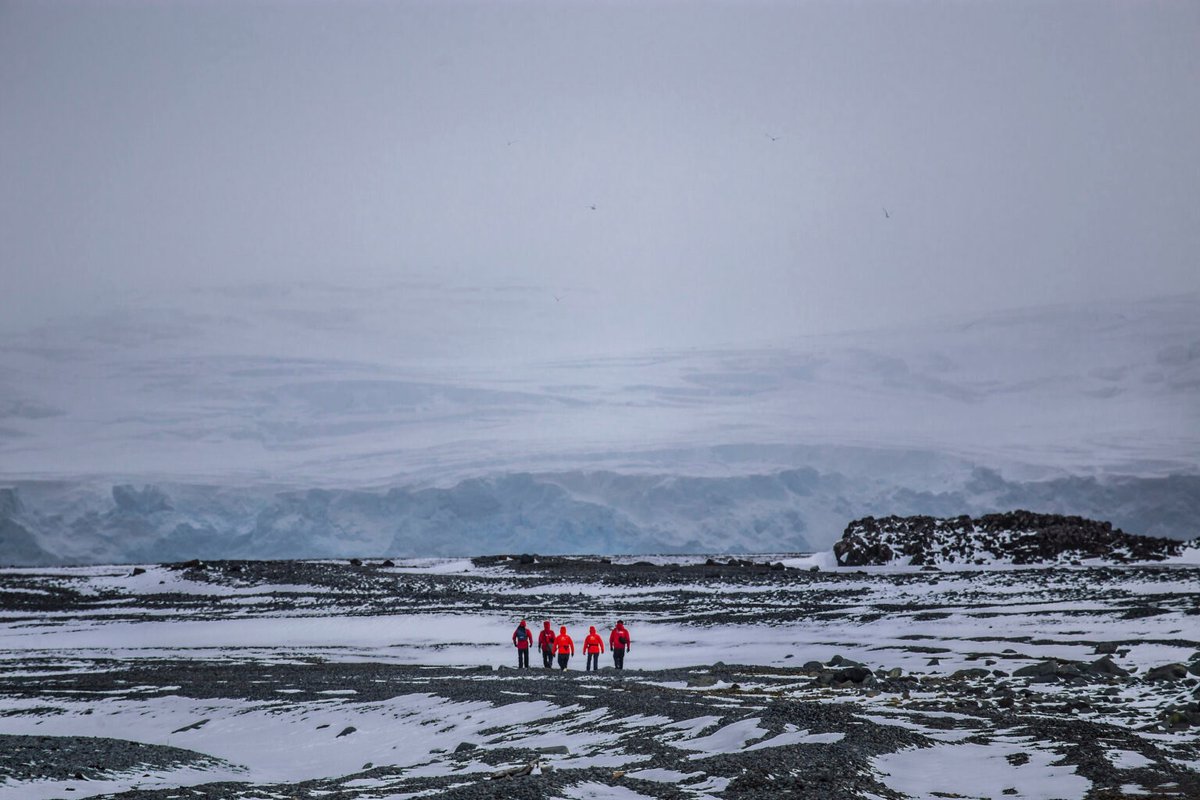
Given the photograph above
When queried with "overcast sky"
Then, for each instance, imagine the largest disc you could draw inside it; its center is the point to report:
(718, 170)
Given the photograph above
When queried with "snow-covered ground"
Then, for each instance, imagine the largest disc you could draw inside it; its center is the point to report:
(369, 680)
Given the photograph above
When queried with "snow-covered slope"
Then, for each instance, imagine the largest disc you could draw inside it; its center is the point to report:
(346, 388)
(322, 421)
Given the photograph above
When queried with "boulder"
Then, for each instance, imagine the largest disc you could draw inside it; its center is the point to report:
(851, 676)
(513, 772)
(1106, 666)
(1167, 672)
(973, 673)
(1049, 667)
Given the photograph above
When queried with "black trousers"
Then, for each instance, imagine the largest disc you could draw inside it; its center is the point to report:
(523, 657)
(563, 658)
(618, 659)
(547, 658)
(593, 661)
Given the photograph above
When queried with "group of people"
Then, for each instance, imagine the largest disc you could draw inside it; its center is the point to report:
(563, 646)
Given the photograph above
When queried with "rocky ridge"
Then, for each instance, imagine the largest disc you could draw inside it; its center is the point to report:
(1015, 537)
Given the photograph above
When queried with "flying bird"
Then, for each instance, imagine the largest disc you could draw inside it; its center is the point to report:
(593, 208)
(886, 214)
(772, 138)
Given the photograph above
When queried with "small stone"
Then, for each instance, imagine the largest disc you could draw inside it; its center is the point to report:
(349, 729)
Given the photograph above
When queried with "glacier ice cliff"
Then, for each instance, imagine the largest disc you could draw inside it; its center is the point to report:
(793, 510)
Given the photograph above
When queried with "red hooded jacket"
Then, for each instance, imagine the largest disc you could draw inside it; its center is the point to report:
(546, 637)
(620, 639)
(522, 644)
(593, 643)
(564, 643)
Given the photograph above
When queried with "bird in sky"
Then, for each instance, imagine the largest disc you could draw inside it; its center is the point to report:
(886, 214)
(593, 208)
(557, 299)
(772, 138)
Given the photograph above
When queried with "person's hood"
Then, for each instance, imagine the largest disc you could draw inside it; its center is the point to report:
(522, 625)
(546, 625)
(593, 629)
(620, 627)
(562, 631)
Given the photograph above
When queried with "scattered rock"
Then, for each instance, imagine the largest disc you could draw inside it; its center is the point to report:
(349, 729)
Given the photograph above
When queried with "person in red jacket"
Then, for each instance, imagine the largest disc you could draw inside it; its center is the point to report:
(564, 646)
(619, 641)
(593, 646)
(546, 645)
(523, 639)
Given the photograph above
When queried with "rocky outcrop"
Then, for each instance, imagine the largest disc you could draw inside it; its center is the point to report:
(1015, 537)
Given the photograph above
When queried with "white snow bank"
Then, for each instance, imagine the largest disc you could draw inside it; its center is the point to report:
(974, 770)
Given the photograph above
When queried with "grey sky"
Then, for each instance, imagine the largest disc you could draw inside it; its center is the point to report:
(738, 155)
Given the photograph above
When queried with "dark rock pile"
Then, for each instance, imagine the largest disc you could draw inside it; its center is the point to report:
(1014, 537)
